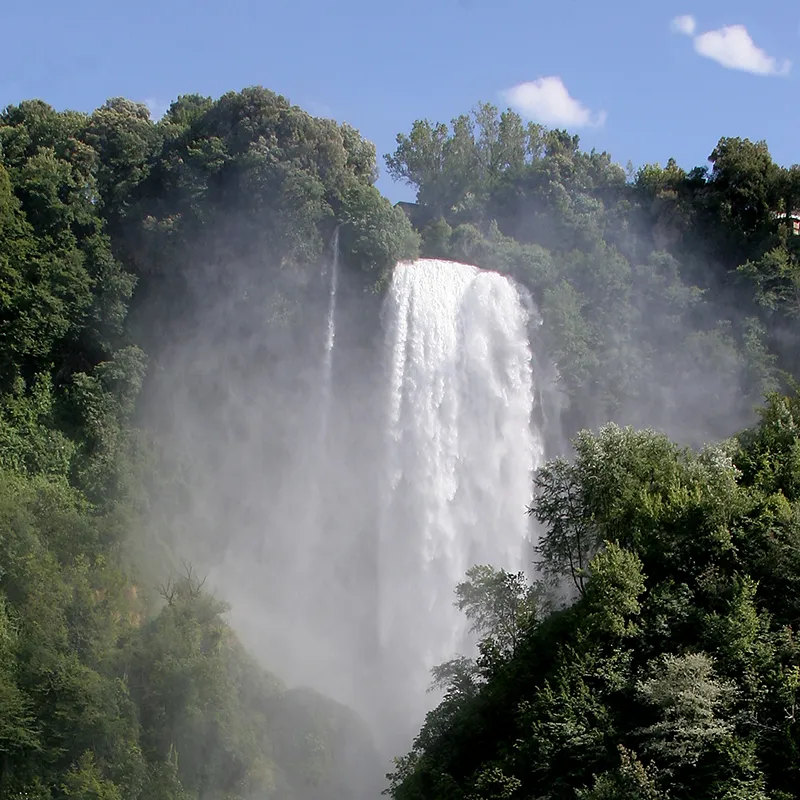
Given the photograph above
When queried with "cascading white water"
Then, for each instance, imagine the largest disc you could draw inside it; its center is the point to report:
(401, 480)
(460, 452)
(310, 516)
(330, 339)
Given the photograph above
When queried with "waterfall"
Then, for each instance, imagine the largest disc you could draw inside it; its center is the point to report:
(459, 457)
(330, 340)
(310, 615)
(401, 477)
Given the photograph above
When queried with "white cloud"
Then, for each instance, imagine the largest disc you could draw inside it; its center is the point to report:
(547, 101)
(684, 24)
(157, 109)
(732, 47)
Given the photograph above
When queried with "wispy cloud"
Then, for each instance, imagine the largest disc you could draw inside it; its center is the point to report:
(685, 24)
(547, 101)
(156, 108)
(318, 109)
(732, 47)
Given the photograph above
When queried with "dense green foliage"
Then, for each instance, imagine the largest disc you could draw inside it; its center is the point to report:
(109, 689)
(656, 658)
(674, 673)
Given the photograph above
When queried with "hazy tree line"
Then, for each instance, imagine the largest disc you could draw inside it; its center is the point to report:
(667, 298)
(114, 231)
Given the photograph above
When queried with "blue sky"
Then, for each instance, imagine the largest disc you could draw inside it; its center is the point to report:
(623, 74)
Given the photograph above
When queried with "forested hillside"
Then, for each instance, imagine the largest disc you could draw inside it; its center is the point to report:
(674, 674)
(667, 298)
(656, 657)
(111, 231)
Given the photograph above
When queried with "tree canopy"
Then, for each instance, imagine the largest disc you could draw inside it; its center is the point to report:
(645, 279)
(670, 669)
(654, 658)
(111, 234)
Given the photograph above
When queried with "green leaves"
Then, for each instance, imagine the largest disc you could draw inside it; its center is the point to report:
(777, 279)
(375, 235)
(673, 673)
(450, 165)
(63, 295)
(746, 178)
(500, 606)
(632, 780)
(419, 161)
(102, 700)
(612, 596)
(691, 702)
(84, 782)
